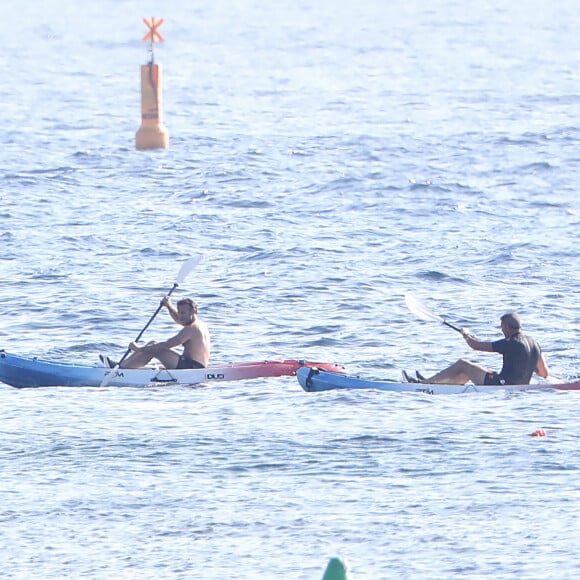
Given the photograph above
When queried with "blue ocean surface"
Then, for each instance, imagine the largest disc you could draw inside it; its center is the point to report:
(325, 159)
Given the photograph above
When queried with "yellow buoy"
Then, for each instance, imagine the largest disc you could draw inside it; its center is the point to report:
(152, 133)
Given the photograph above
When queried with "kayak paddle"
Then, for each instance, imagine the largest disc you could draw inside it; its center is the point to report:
(185, 269)
(421, 311)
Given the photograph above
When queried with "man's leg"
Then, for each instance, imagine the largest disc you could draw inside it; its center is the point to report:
(136, 360)
(167, 357)
(459, 373)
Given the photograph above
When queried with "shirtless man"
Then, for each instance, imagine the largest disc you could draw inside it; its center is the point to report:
(522, 357)
(194, 336)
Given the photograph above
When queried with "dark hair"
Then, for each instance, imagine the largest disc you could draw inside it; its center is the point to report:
(191, 303)
(513, 320)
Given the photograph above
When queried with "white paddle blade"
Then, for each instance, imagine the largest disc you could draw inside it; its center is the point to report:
(187, 268)
(420, 310)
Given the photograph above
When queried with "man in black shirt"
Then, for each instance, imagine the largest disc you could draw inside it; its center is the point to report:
(522, 357)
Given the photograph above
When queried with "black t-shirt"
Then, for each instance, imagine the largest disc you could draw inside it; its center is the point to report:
(520, 357)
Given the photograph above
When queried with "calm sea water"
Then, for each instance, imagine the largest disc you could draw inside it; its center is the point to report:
(325, 159)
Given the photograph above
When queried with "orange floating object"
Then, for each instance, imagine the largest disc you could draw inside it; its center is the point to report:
(538, 433)
(152, 133)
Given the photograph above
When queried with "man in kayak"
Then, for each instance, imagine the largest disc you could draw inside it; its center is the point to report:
(522, 357)
(194, 337)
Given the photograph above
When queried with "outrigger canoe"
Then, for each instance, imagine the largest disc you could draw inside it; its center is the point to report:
(314, 379)
(21, 372)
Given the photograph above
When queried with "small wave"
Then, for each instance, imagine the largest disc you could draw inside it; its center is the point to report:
(440, 277)
(538, 166)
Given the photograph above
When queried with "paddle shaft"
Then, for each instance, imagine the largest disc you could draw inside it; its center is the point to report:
(175, 285)
(453, 327)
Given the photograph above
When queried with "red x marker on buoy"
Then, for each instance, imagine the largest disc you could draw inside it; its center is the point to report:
(153, 24)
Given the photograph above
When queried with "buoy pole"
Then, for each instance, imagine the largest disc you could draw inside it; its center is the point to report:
(152, 133)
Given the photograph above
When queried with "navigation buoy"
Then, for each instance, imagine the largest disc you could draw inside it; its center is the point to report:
(538, 433)
(152, 134)
(336, 570)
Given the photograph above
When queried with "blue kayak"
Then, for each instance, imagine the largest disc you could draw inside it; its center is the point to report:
(23, 371)
(316, 380)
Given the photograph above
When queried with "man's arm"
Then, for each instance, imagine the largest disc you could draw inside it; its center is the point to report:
(542, 367)
(170, 308)
(476, 344)
(180, 338)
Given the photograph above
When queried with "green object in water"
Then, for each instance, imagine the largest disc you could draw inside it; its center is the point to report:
(336, 570)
